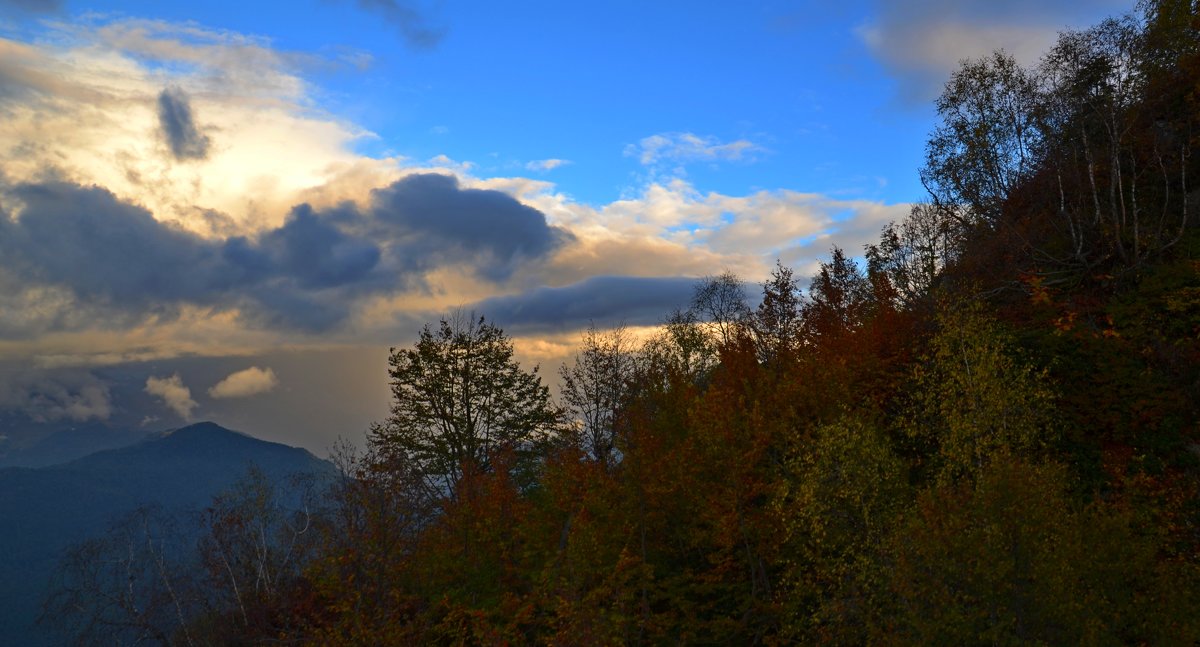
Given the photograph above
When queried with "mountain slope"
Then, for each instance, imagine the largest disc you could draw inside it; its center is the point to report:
(47, 509)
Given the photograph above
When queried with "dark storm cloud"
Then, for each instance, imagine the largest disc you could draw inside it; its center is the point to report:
(307, 274)
(179, 126)
(408, 18)
(431, 211)
(605, 300)
(107, 250)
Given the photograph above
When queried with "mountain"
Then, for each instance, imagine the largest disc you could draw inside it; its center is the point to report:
(47, 509)
(43, 447)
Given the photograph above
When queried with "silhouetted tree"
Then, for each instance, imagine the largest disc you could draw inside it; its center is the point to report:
(458, 397)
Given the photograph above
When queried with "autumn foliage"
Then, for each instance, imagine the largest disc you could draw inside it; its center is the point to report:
(987, 432)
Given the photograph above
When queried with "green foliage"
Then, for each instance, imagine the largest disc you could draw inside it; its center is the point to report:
(1009, 559)
(975, 396)
(845, 490)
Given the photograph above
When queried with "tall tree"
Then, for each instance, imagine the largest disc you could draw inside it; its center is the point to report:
(912, 253)
(985, 143)
(776, 322)
(595, 387)
(458, 398)
(839, 298)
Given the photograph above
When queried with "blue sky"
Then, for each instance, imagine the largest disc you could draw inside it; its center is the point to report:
(191, 192)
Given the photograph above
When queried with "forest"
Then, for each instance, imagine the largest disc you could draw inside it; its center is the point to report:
(982, 429)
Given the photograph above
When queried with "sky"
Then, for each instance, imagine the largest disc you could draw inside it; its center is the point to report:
(229, 211)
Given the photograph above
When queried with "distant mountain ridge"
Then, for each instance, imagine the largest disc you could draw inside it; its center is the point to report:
(46, 509)
(65, 444)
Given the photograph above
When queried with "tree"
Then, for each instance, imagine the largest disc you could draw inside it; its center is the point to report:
(985, 144)
(257, 537)
(136, 583)
(913, 253)
(776, 323)
(720, 303)
(976, 397)
(839, 299)
(458, 398)
(595, 387)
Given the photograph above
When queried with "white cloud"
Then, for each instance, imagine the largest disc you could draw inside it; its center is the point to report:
(689, 147)
(84, 103)
(174, 394)
(245, 383)
(546, 165)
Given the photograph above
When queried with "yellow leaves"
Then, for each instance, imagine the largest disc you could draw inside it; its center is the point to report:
(1039, 293)
(975, 395)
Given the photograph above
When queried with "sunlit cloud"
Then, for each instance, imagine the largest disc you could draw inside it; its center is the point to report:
(245, 383)
(174, 394)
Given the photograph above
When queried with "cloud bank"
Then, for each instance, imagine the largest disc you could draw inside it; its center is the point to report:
(226, 214)
(309, 274)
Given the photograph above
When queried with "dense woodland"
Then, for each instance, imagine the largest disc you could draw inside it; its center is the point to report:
(988, 432)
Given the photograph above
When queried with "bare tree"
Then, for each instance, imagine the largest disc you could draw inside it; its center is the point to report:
(134, 584)
(596, 386)
(719, 303)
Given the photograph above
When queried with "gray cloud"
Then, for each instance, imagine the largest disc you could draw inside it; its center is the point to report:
(54, 396)
(431, 211)
(408, 18)
(307, 274)
(920, 42)
(606, 300)
(179, 126)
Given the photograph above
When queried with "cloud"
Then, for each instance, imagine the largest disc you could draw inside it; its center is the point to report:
(409, 18)
(283, 232)
(688, 147)
(84, 247)
(173, 393)
(546, 165)
(921, 42)
(245, 383)
(179, 127)
(81, 102)
(605, 300)
(51, 397)
(491, 229)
